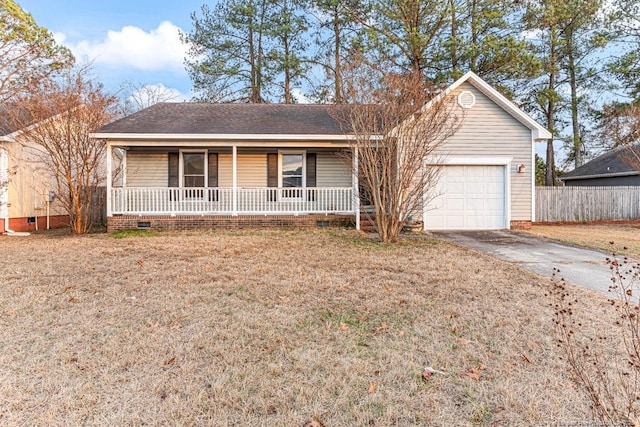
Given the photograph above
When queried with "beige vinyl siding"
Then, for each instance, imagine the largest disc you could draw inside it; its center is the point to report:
(490, 131)
(147, 169)
(332, 169)
(252, 170)
(30, 180)
(151, 170)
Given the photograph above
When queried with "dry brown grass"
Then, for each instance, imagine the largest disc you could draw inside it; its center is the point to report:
(275, 328)
(595, 236)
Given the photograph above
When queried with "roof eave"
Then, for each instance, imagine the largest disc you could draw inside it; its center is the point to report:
(607, 175)
(211, 136)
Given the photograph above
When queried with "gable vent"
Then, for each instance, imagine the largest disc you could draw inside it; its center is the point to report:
(466, 99)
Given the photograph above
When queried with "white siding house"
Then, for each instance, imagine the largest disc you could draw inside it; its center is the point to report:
(188, 165)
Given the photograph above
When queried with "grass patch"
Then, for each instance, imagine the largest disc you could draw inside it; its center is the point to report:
(275, 328)
(125, 234)
(626, 237)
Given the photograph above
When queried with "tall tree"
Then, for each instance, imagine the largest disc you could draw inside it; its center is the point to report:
(570, 38)
(227, 59)
(408, 32)
(56, 121)
(337, 28)
(582, 35)
(485, 36)
(28, 52)
(625, 20)
(288, 28)
(542, 20)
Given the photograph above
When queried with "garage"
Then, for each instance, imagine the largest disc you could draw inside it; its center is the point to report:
(468, 197)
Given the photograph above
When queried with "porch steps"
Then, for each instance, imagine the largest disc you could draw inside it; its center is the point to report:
(367, 224)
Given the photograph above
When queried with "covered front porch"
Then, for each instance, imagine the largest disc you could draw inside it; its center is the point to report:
(231, 201)
(174, 180)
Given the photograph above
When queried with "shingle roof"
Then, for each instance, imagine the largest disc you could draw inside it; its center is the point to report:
(239, 119)
(622, 160)
(6, 125)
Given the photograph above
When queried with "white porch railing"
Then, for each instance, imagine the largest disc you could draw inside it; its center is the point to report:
(221, 201)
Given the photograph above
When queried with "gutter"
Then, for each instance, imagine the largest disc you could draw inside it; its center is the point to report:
(607, 175)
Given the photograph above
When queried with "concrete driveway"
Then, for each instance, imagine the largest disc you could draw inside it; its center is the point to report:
(580, 266)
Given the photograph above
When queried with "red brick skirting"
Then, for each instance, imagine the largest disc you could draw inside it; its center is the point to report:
(193, 222)
(521, 225)
(23, 224)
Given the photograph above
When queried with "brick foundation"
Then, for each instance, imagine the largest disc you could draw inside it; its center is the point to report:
(23, 224)
(521, 225)
(2, 230)
(194, 222)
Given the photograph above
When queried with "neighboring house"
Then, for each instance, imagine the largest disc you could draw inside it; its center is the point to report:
(618, 167)
(26, 187)
(188, 165)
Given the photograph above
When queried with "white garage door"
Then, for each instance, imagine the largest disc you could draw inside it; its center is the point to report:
(468, 198)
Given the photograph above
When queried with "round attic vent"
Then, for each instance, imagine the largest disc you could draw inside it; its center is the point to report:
(466, 99)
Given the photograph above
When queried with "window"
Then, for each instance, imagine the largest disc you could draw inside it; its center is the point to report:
(292, 167)
(193, 170)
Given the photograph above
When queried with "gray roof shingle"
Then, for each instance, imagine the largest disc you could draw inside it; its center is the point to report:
(622, 160)
(7, 125)
(238, 119)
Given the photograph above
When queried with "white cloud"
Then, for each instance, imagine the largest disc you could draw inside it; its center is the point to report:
(158, 49)
(300, 97)
(60, 38)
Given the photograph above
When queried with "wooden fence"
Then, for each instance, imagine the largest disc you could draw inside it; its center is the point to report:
(587, 203)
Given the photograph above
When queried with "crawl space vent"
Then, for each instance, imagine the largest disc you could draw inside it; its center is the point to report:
(466, 99)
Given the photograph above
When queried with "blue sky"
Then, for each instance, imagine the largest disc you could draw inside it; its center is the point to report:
(134, 40)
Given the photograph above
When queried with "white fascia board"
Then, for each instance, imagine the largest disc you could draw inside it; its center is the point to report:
(471, 160)
(228, 143)
(538, 131)
(11, 137)
(603, 175)
(221, 137)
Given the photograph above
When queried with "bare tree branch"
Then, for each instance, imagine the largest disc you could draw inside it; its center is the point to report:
(55, 122)
(398, 123)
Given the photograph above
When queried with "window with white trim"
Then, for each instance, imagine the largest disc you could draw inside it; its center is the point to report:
(193, 169)
(292, 173)
(194, 174)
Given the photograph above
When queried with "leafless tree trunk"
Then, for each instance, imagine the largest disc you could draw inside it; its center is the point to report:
(56, 122)
(397, 123)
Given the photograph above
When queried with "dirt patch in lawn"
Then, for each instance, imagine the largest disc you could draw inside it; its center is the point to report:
(276, 328)
(625, 236)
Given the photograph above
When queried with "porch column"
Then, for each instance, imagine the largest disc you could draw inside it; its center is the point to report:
(109, 177)
(123, 168)
(234, 180)
(356, 187)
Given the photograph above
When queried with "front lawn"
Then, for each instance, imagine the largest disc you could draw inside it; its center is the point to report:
(625, 236)
(275, 328)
